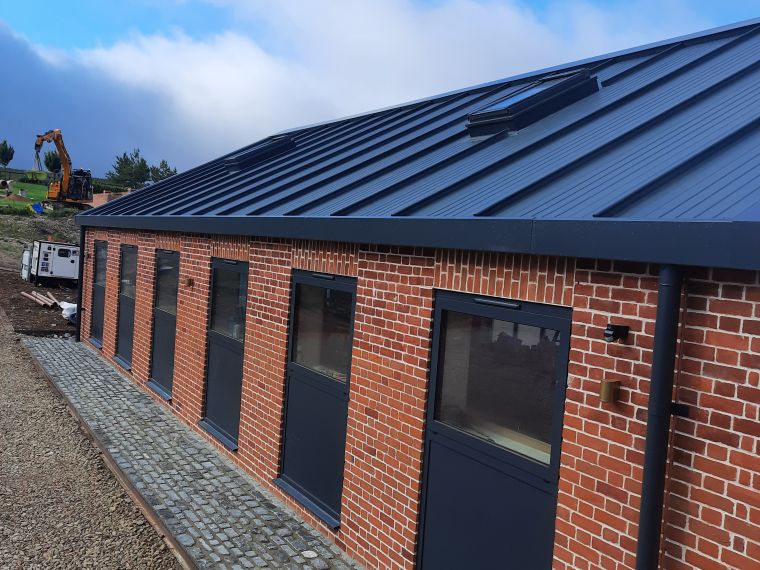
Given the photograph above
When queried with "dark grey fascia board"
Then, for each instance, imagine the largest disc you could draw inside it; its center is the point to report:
(417, 232)
(693, 243)
(697, 243)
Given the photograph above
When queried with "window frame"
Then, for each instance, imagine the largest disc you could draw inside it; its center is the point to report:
(324, 281)
(233, 265)
(126, 247)
(98, 244)
(206, 424)
(532, 314)
(166, 253)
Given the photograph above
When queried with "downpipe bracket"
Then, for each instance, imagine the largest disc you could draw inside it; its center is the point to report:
(680, 410)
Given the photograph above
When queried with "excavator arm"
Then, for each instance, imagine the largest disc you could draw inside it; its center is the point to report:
(56, 137)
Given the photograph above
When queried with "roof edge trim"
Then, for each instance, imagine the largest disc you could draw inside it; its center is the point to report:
(693, 243)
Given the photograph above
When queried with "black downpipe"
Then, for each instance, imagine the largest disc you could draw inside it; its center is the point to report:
(80, 284)
(659, 411)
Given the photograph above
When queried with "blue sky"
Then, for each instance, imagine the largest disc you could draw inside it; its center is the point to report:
(89, 23)
(187, 80)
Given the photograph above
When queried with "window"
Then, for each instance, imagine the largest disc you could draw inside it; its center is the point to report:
(497, 381)
(101, 259)
(167, 273)
(128, 271)
(228, 301)
(323, 330)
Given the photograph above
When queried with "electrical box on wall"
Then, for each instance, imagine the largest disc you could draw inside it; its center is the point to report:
(48, 260)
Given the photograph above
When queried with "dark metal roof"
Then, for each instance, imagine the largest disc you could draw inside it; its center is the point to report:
(661, 164)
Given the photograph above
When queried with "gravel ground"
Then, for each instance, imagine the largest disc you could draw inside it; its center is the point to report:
(60, 507)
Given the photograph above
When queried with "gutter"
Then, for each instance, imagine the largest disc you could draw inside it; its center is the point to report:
(659, 411)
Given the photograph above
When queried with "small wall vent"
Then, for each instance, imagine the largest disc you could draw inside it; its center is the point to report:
(266, 149)
(533, 102)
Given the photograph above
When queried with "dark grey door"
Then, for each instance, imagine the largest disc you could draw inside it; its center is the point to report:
(98, 292)
(317, 392)
(224, 377)
(126, 319)
(164, 322)
(493, 433)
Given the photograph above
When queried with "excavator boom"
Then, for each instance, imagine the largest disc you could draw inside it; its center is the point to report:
(74, 187)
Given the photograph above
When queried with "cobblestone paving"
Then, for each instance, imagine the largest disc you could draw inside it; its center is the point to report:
(222, 517)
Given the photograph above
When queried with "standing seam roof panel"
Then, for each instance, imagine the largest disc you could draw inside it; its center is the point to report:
(663, 157)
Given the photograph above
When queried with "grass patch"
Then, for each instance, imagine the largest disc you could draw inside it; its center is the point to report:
(35, 192)
(9, 207)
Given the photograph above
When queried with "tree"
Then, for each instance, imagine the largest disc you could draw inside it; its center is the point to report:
(52, 161)
(162, 171)
(6, 153)
(130, 170)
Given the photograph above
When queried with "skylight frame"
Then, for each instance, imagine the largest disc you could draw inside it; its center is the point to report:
(515, 111)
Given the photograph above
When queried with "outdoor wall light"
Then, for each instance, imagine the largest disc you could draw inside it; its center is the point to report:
(615, 332)
(609, 391)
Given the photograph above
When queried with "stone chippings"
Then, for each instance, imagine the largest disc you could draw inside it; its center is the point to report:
(219, 514)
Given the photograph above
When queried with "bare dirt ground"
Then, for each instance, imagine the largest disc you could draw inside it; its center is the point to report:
(25, 315)
(60, 507)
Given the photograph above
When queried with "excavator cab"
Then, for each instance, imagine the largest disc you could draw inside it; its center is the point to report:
(80, 185)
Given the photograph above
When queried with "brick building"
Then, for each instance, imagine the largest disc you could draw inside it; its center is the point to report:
(513, 326)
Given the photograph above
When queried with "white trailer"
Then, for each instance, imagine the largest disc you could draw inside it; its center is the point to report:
(50, 260)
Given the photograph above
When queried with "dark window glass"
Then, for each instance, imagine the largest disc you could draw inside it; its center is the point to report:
(64, 253)
(526, 92)
(228, 303)
(167, 274)
(101, 260)
(517, 97)
(128, 271)
(323, 330)
(497, 381)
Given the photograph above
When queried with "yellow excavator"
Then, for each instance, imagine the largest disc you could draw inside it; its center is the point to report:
(70, 186)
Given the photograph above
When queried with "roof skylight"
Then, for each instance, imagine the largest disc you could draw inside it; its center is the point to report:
(533, 102)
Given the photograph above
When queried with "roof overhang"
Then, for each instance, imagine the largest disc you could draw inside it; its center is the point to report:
(730, 244)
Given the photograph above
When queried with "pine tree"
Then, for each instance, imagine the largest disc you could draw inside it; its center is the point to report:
(52, 161)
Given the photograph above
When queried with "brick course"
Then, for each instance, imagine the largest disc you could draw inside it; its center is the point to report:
(712, 509)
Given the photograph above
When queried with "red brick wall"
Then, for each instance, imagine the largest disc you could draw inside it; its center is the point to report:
(713, 506)
(603, 444)
(266, 338)
(713, 498)
(192, 325)
(394, 303)
(88, 257)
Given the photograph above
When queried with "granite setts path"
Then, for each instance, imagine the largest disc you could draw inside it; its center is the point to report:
(221, 516)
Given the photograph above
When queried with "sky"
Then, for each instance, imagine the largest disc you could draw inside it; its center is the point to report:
(189, 80)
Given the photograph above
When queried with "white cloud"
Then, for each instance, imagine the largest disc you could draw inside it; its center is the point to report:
(223, 91)
(309, 61)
